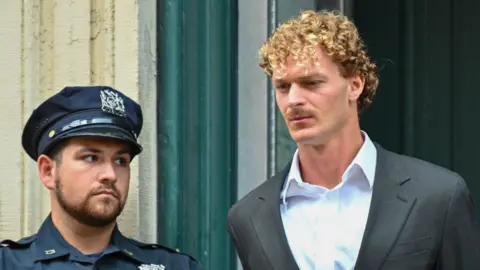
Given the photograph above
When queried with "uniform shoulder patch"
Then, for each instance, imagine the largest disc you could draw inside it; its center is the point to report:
(22, 243)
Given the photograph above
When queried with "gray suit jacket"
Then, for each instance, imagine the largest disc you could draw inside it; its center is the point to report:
(421, 217)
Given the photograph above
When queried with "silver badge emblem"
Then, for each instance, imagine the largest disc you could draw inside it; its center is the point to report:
(50, 252)
(151, 267)
(112, 103)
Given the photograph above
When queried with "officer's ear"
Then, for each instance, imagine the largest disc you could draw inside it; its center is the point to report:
(46, 171)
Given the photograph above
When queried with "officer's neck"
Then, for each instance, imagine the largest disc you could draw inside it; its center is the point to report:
(86, 239)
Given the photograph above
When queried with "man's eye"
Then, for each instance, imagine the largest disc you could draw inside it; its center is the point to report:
(121, 161)
(90, 158)
(312, 83)
(282, 87)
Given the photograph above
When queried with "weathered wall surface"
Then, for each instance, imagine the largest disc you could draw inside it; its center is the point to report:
(48, 44)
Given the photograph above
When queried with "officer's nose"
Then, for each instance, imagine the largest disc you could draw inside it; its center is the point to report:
(108, 173)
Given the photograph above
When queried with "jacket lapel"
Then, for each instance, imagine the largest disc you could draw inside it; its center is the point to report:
(389, 210)
(269, 226)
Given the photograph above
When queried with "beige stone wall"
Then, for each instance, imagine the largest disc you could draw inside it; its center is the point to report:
(48, 44)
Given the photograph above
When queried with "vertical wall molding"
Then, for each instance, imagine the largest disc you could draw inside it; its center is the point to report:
(148, 175)
(11, 103)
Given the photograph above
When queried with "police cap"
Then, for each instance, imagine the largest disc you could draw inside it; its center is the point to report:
(99, 111)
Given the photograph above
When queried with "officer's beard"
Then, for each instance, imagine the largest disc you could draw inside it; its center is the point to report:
(85, 212)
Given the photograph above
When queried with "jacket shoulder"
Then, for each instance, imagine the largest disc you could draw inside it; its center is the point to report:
(247, 204)
(23, 243)
(427, 178)
(419, 168)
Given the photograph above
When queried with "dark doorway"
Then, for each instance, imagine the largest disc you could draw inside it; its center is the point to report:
(426, 105)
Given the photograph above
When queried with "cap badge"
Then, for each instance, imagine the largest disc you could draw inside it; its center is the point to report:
(112, 103)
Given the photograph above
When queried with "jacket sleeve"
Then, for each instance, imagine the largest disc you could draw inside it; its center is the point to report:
(460, 248)
(236, 243)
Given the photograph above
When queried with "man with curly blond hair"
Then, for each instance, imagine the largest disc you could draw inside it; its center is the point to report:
(344, 202)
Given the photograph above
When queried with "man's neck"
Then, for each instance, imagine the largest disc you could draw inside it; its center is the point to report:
(324, 165)
(86, 239)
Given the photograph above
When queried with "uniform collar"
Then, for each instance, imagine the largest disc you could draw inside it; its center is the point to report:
(365, 160)
(51, 245)
(126, 246)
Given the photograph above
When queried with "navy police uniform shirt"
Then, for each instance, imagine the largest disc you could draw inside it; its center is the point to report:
(47, 250)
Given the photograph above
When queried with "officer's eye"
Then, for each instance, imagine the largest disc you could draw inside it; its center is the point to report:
(90, 158)
(121, 161)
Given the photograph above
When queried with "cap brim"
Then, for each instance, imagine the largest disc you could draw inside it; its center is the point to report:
(112, 132)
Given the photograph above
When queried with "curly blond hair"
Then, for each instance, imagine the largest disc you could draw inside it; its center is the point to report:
(337, 36)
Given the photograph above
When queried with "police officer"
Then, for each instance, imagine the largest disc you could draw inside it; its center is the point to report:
(83, 140)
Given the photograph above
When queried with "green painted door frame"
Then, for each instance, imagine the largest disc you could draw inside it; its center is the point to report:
(197, 127)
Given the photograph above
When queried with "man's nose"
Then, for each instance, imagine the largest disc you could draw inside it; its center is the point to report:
(108, 173)
(295, 96)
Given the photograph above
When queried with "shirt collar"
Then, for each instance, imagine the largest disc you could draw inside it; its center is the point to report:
(50, 245)
(365, 159)
(126, 246)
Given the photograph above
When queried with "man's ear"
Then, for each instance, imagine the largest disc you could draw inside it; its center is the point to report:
(46, 170)
(357, 83)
